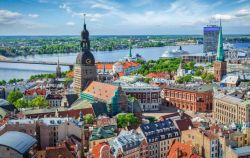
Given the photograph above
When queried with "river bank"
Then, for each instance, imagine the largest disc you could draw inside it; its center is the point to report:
(24, 71)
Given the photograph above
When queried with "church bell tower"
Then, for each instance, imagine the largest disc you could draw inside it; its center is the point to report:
(220, 65)
(84, 69)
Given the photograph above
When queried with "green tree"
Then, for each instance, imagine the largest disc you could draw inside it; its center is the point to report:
(3, 82)
(184, 79)
(21, 103)
(207, 77)
(147, 80)
(198, 71)
(89, 119)
(39, 102)
(14, 95)
(125, 120)
(152, 119)
(189, 65)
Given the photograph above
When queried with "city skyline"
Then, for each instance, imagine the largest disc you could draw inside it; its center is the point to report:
(143, 17)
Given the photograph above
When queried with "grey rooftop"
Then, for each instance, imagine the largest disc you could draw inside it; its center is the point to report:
(17, 141)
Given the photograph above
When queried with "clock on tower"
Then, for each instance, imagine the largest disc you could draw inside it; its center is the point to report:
(85, 69)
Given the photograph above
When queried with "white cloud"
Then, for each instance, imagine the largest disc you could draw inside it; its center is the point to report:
(66, 7)
(9, 17)
(102, 6)
(222, 17)
(179, 13)
(241, 1)
(243, 12)
(70, 23)
(91, 16)
(33, 15)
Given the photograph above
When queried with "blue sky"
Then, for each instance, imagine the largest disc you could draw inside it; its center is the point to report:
(122, 17)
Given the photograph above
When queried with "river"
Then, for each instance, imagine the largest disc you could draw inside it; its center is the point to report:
(13, 70)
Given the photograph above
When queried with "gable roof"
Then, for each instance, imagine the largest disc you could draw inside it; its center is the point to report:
(127, 65)
(102, 91)
(176, 114)
(59, 151)
(103, 132)
(107, 65)
(158, 131)
(99, 108)
(184, 149)
(5, 105)
(159, 75)
(98, 149)
(184, 124)
(71, 98)
(17, 141)
(38, 91)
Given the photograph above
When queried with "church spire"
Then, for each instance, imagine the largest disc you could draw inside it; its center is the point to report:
(220, 51)
(130, 49)
(85, 44)
(84, 24)
(58, 68)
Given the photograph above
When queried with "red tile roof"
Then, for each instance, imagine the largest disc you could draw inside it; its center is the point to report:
(210, 134)
(107, 66)
(38, 91)
(164, 75)
(127, 65)
(102, 91)
(70, 74)
(121, 74)
(184, 150)
(105, 122)
(184, 124)
(98, 149)
(58, 152)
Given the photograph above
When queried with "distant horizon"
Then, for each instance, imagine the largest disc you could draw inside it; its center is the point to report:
(122, 35)
(117, 17)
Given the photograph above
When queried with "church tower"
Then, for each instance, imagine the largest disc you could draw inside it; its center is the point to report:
(58, 69)
(220, 65)
(84, 69)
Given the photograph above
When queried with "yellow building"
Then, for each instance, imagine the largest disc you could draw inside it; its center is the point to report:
(241, 138)
(228, 109)
(205, 142)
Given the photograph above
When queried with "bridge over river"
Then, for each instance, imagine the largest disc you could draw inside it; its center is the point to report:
(70, 65)
(6, 60)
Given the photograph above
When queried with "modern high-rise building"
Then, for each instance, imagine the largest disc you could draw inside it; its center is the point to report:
(210, 38)
(220, 65)
(84, 69)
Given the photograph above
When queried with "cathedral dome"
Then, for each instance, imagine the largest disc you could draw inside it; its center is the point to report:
(85, 58)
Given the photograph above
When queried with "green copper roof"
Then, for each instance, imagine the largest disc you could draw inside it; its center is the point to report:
(220, 51)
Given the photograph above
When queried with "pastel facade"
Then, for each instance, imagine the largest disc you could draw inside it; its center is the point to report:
(206, 142)
(228, 109)
(160, 136)
(198, 98)
(128, 144)
(147, 95)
